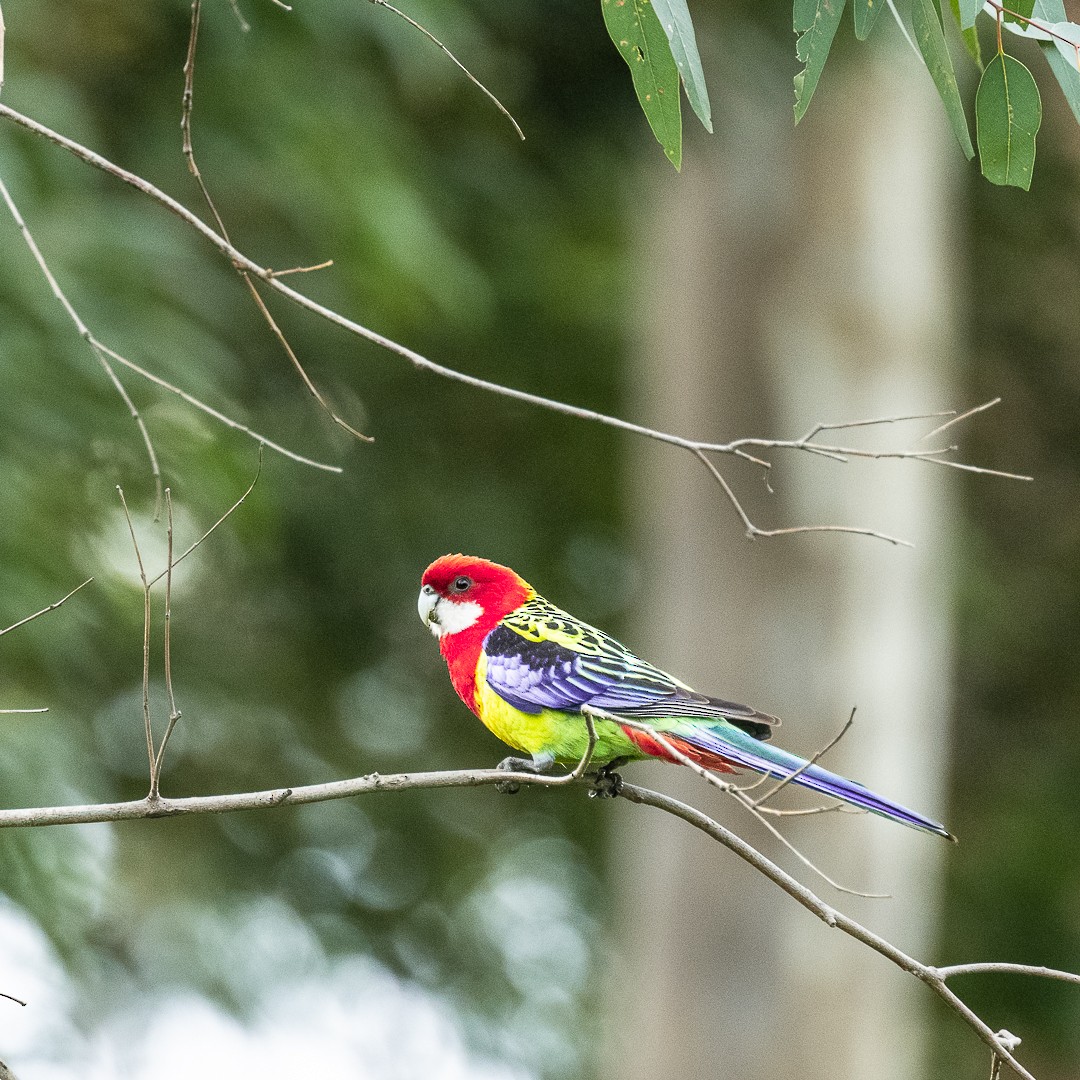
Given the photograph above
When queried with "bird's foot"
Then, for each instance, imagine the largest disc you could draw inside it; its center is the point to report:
(535, 765)
(607, 783)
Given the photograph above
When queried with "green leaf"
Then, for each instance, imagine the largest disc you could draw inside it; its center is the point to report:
(815, 23)
(642, 43)
(1008, 112)
(866, 11)
(970, 35)
(1064, 68)
(674, 17)
(968, 10)
(926, 22)
(1018, 11)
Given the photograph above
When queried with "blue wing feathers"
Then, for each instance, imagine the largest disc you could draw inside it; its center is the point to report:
(531, 670)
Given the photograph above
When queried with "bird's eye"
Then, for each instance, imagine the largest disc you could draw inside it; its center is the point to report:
(461, 584)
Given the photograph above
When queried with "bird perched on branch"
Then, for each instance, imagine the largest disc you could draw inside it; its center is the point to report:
(527, 669)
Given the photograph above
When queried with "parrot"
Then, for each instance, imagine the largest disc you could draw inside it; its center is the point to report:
(527, 668)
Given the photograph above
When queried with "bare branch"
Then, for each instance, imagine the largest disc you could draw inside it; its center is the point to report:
(1006, 969)
(193, 168)
(226, 420)
(806, 765)
(752, 530)
(736, 793)
(302, 269)
(1, 48)
(999, 1042)
(829, 915)
(155, 468)
(469, 75)
(174, 712)
(963, 416)
(45, 610)
(146, 636)
(697, 447)
(224, 517)
(10, 997)
(104, 353)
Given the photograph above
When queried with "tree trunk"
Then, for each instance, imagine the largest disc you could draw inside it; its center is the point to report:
(795, 277)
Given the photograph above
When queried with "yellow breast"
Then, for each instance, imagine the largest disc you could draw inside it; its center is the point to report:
(533, 733)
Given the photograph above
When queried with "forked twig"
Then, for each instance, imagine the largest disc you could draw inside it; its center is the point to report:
(102, 350)
(698, 447)
(962, 416)
(736, 793)
(806, 765)
(174, 712)
(187, 104)
(468, 74)
(224, 517)
(146, 635)
(45, 610)
(155, 468)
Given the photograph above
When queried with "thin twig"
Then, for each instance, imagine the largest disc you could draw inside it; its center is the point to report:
(187, 104)
(1006, 969)
(468, 74)
(829, 915)
(146, 635)
(17, 712)
(11, 997)
(45, 610)
(2, 54)
(155, 468)
(224, 517)
(174, 712)
(806, 764)
(753, 531)
(102, 350)
(226, 420)
(422, 363)
(737, 794)
(963, 416)
(342, 789)
(302, 269)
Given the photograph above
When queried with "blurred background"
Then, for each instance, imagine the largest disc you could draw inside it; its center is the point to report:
(852, 268)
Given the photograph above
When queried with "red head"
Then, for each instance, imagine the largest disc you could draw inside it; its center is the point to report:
(461, 600)
(462, 593)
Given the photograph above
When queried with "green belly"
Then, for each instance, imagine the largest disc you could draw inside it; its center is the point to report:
(549, 732)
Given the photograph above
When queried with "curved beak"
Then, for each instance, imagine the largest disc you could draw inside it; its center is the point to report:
(426, 603)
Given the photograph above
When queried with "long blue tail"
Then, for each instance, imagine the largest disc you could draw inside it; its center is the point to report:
(738, 748)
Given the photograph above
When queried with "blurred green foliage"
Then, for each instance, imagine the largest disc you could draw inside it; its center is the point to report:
(338, 132)
(1014, 888)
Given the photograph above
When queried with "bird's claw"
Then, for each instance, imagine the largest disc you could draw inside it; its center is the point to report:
(516, 764)
(607, 784)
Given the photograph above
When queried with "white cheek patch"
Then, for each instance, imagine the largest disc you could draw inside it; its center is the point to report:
(453, 616)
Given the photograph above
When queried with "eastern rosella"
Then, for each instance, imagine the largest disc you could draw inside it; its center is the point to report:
(526, 668)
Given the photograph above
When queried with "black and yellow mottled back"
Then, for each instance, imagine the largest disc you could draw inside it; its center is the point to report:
(541, 657)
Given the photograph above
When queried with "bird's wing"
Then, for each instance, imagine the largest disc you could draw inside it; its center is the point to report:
(539, 657)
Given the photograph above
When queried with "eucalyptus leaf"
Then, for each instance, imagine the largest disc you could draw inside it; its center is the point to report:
(865, 12)
(970, 35)
(815, 22)
(1008, 112)
(968, 10)
(926, 22)
(642, 43)
(1059, 56)
(674, 17)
